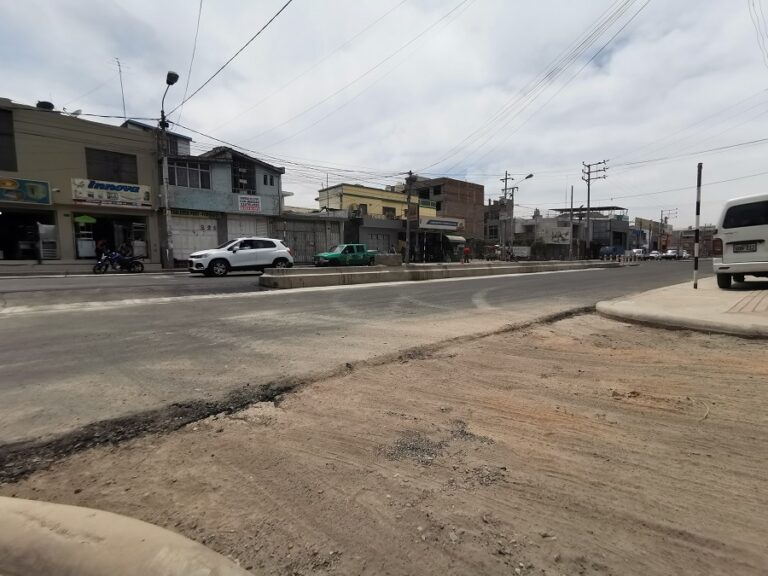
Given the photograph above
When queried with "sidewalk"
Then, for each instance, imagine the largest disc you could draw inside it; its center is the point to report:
(742, 311)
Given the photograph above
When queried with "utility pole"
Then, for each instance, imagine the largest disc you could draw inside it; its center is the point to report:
(505, 238)
(570, 229)
(664, 217)
(409, 185)
(589, 172)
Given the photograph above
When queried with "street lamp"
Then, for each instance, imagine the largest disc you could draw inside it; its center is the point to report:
(170, 79)
(512, 218)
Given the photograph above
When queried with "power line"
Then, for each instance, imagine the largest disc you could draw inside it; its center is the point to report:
(313, 66)
(560, 89)
(360, 77)
(356, 96)
(545, 79)
(192, 59)
(683, 188)
(673, 157)
(92, 90)
(235, 55)
(690, 126)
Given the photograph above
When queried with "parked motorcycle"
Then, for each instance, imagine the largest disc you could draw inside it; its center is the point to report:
(119, 263)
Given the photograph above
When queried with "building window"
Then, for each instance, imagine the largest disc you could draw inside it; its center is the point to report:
(7, 142)
(111, 166)
(424, 194)
(265, 180)
(389, 212)
(189, 175)
(493, 232)
(437, 190)
(438, 206)
(271, 180)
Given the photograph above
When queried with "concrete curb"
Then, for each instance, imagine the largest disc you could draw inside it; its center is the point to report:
(40, 538)
(310, 278)
(618, 310)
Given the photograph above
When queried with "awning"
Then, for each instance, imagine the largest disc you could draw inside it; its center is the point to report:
(456, 239)
(85, 219)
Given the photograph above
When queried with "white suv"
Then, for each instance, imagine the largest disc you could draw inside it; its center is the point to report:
(241, 254)
(740, 246)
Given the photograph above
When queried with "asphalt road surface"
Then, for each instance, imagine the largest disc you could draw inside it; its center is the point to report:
(69, 361)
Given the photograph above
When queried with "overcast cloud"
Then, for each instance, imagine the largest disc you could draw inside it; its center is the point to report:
(684, 76)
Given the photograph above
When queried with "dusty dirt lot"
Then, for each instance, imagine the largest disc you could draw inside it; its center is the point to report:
(581, 447)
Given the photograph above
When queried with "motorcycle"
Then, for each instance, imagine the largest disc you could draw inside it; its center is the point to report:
(118, 262)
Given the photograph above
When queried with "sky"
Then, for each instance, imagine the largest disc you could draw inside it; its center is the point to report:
(349, 91)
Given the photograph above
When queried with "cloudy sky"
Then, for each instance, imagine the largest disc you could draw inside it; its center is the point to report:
(365, 91)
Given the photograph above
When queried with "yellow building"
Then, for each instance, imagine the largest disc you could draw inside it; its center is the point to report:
(373, 202)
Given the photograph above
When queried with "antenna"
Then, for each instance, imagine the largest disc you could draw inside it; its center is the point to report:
(122, 92)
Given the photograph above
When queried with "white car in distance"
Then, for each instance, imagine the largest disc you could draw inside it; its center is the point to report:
(241, 254)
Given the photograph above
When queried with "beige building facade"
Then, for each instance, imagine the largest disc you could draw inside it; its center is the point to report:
(68, 184)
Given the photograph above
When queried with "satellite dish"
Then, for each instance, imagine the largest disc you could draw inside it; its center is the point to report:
(77, 112)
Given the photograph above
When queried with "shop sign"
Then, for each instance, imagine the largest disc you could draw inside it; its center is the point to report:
(24, 191)
(555, 232)
(452, 224)
(251, 204)
(86, 191)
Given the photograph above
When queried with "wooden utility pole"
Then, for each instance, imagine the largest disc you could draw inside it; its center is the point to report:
(589, 172)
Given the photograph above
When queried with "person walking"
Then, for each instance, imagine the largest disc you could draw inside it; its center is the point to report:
(467, 252)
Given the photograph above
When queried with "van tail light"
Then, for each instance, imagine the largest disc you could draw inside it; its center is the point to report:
(290, 252)
(717, 247)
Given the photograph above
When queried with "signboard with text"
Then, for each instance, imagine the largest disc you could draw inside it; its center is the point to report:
(98, 192)
(441, 223)
(250, 204)
(24, 191)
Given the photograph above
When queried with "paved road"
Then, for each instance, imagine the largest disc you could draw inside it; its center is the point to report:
(83, 362)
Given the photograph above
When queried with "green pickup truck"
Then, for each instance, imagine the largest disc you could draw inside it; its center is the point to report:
(346, 255)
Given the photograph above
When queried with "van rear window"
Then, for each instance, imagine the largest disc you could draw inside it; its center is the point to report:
(743, 215)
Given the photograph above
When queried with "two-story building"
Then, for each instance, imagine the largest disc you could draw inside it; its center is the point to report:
(67, 183)
(456, 199)
(220, 195)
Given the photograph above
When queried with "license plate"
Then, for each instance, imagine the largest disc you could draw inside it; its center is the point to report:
(751, 247)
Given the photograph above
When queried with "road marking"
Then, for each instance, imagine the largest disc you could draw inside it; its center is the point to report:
(112, 304)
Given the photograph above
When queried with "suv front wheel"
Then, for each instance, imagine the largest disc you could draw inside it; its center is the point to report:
(281, 263)
(218, 268)
(724, 281)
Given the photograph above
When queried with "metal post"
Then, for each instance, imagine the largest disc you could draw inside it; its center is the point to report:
(570, 229)
(512, 224)
(696, 233)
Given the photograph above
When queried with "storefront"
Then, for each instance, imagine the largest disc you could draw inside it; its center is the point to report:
(435, 240)
(27, 220)
(110, 214)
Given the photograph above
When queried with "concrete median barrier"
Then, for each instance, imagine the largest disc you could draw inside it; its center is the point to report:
(40, 538)
(313, 277)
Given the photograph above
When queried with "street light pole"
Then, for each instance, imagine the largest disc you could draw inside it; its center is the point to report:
(170, 79)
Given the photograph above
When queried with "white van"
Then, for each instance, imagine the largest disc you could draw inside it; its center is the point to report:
(740, 246)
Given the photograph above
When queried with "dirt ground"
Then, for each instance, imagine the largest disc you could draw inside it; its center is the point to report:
(586, 446)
